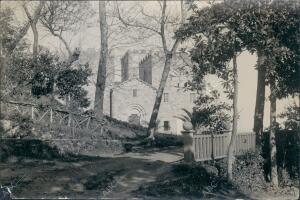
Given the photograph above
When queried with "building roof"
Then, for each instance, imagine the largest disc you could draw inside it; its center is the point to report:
(133, 79)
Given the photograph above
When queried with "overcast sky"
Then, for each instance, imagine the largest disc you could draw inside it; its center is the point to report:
(89, 37)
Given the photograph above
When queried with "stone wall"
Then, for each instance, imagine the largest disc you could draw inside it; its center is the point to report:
(125, 104)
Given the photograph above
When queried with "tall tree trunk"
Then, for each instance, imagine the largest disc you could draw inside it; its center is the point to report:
(33, 22)
(1, 64)
(272, 137)
(101, 75)
(230, 155)
(159, 94)
(299, 145)
(260, 98)
(299, 132)
(35, 40)
(165, 74)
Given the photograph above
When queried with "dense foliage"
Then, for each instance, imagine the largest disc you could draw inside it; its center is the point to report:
(234, 26)
(70, 82)
(223, 30)
(291, 116)
(249, 172)
(210, 114)
(44, 70)
(193, 181)
(28, 78)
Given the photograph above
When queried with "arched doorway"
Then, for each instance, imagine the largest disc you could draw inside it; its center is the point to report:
(137, 114)
(134, 119)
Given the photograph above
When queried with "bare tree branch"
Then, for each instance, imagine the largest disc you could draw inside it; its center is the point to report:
(149, 16)
(27, 13)
(64, 16)
(134, 25)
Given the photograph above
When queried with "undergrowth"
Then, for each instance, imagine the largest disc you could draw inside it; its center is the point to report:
(193, 180)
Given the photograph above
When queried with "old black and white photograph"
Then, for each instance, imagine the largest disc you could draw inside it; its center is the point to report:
(150, 99)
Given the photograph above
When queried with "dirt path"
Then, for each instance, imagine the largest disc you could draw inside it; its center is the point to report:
(127, 184)
(167, 155)
(156, 162)
(117, 176)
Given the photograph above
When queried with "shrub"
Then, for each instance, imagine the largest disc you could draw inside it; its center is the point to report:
(88, 140)
(161, 141)
(102, 181)
(167, 140)
(27, 148)
(248, 172)
(22, 124)
(187, 180)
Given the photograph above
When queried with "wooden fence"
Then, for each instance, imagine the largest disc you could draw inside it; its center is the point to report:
(215, 146)
(78, 133)
(47, 115)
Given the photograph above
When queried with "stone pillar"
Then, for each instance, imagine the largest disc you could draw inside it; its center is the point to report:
(188, 142)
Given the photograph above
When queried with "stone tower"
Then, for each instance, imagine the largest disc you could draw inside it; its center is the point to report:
(145, 69)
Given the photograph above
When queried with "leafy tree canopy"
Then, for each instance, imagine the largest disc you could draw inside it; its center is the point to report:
(226, 28)
(71, 81)
(47, 75)
(45, 67)
(210, 113)
(292, 117)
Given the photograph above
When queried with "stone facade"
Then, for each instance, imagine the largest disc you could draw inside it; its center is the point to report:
(133, 98)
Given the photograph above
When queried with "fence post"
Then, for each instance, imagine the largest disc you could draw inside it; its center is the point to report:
(88, 123)
(212, 147)
(69, 120)
(51, 116)
(188, 142)
(32, 112)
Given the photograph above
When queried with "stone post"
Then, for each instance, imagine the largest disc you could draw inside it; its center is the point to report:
(188, 142)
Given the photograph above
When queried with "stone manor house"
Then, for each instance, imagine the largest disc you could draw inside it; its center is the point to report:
(131, 98)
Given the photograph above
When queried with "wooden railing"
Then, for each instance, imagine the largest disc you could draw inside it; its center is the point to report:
(203, 147)
(78, 133)
(48, 115)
